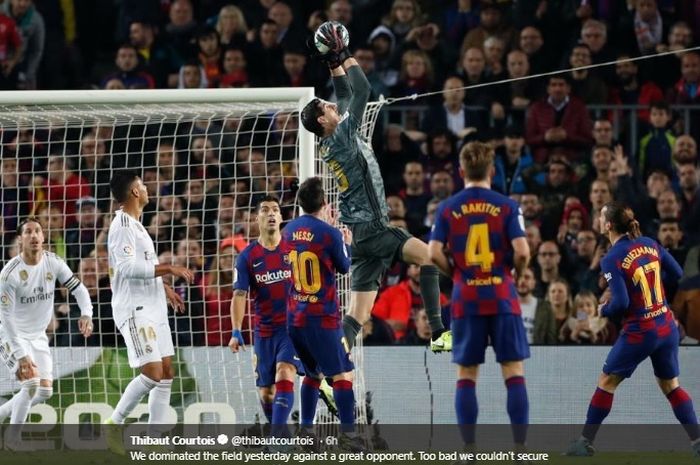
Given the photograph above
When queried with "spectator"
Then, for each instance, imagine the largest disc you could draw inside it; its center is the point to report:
(666, 69)
(552, 189)
(574, 220)
(670, 236)
(441, 185)
(295, 67)
(52, 222)
(548, 263)
(594, 33)
(31, 27)
(460, 17)
(415, 197)
(586, 263)
(398, 150)
(473, 72)
(231, 26)
(687, 89)
(364, 55)
(603, 133)
(62, 187)
(419, 334)
(689, 182)
(532, 208)
(398, 304)
(397, 209)
(81, 237)
(532, 43)
(235, 69)
(11, 52)
(559, 298)
(494, 49)
(559, 121)
(667, 206)
(491, 24)
(266, 70)
(376, 332)
(192, 76)
(601, 159)
(96, 165)
(383, 42)
(534, 239)
(585, 326)
(426, 39)
(289, 35)
(128, 72)
(510, 162)
(157, 56)
(210, 54)
(181, 29)
(416, 76)
(403, 16)
(217, 287)
(585, 85)
(685, 150)
(686, 307)
(649, 27)
(14, 197)
(536, 313)
(598, 196)
(655, 147)
(518, 94)
(631, 91)
(453, 114)
(188, 326)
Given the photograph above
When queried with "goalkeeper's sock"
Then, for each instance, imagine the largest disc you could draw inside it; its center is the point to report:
(518, 407)
(23, 401)
(351, 328)
(467, 409)
(159, 401)
(682, 406)
(134, 392)
(309, 400)
(345, 400)
(598, 409)
(267, 410)
(429, 282)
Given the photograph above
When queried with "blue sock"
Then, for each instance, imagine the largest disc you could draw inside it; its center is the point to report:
(282, 406)
(345, 400)
(598, 409)
(467, 409)
(267, 410)
(682, 406)
(518, 407)
(309, 399)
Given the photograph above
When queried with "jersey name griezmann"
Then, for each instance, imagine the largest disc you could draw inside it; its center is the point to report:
(636, 253)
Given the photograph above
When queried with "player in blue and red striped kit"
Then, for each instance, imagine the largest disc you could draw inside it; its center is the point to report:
(263, 269)
(484, 233)
(634, 268)
(317, 251)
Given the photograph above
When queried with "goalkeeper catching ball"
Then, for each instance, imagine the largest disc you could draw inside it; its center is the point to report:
(349, 156)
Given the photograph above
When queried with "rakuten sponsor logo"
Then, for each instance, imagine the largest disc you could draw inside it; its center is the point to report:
(270, 277)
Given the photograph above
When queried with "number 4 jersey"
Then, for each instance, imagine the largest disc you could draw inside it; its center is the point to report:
(316, 252)
(478, 226)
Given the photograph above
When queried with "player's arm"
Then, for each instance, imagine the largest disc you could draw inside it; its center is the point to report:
(343, 91)
(80, 293)
(123, 247)
(438, 238)
(7, 316)
(516, 233)
(361, 88)
(619, 298)
(341, 250)
(241, 284)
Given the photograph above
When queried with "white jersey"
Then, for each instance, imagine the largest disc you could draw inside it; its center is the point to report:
(132, 261)
(26, 291)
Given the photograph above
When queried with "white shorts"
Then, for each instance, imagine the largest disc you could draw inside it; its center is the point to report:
(146, 340)
(36, 348)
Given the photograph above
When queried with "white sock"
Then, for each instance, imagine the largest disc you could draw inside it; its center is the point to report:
(137, 388)
(23, 401)
(42, 394)
(6, 408)
(159, 401)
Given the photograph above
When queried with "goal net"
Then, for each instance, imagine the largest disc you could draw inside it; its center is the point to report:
(207, 157)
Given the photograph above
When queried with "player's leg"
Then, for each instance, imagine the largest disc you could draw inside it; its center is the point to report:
(415, 251)
(264, 364)
(284, 393)
(159, 397)
(466, 405)
(361, 303)
(664, 360)
(509, 340)
(267, 398)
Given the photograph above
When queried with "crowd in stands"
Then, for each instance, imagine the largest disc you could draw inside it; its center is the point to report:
(557, 157)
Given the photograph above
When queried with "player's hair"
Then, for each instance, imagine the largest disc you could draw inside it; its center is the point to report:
(621, 217)
(120, 184)
(311, 195)
(267, 198)
(29, 219)
(309, 117)
(476, 159)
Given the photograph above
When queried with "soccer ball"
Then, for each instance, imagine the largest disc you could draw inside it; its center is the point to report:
(327, 30)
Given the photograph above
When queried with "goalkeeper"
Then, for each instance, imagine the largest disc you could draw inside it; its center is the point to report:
(363, 208)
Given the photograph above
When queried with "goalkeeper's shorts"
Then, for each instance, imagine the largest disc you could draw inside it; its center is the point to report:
(376, 247)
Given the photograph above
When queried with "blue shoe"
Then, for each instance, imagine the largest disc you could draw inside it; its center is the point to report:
(581, 447)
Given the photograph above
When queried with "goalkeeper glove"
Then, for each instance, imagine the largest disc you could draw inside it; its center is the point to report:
(331, 35)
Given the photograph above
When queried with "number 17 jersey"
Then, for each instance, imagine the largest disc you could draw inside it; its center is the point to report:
(316, 253)
(478, 226)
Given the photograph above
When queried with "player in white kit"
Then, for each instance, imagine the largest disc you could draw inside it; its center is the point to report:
(140, 304)
(27, 285)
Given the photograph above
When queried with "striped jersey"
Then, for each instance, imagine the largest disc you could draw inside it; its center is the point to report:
(27, 292)
(478, 226)
(132, 267)
(267, 276)
(316, 252)
(634, 270)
